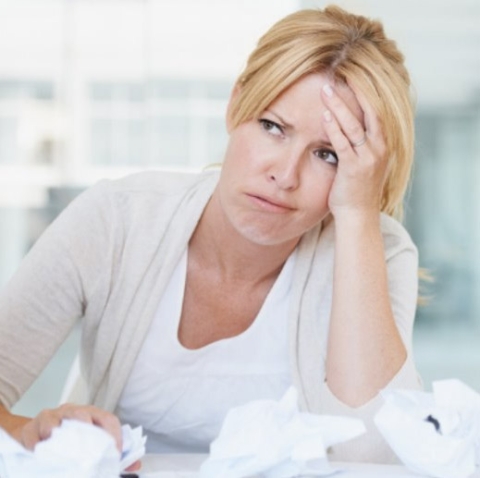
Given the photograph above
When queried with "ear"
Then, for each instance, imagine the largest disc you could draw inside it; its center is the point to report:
(233, 96)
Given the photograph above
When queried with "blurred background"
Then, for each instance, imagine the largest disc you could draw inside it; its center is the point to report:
(101, 88)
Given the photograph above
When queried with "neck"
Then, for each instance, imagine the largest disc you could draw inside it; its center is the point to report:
(216, 244)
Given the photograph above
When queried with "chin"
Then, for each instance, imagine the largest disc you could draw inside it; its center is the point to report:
(265, 237)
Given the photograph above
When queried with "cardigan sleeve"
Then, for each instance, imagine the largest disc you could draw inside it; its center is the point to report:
(47, 295)
(402, 267)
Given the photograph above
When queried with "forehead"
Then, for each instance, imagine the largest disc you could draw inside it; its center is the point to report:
(305, 96)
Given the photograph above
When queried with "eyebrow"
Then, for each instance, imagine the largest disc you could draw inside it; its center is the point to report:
(326, 144)
(284, 123)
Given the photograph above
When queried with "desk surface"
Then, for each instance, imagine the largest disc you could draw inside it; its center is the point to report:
(186, 466)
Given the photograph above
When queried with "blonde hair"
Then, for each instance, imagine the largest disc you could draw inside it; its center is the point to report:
(349, 48)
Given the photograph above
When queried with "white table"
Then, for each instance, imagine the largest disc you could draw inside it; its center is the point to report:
(186, 466)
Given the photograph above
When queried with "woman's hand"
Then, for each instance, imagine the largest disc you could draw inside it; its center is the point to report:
(356, 136)
(41, 427)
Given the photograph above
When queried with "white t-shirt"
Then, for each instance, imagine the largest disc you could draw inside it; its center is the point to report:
(181, 396)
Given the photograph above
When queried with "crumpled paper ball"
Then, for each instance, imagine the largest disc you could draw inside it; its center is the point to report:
(75, 449)
(436, 434)
(277, 440)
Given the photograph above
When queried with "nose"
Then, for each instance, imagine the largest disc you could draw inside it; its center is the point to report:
(285, 171)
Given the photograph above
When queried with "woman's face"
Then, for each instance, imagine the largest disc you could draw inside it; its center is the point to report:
(279, 168)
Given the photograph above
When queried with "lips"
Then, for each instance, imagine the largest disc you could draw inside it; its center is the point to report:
(270, 204)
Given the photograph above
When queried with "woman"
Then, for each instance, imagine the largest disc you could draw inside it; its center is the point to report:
(201, 292)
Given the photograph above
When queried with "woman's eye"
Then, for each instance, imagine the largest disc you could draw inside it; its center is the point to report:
(271, 127)
(327, 155)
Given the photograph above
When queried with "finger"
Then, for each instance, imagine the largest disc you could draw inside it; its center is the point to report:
(95, 416)
(82, 414)
(40, 428)
(340, 143)
(372, 123)
(110, 423)
(349, 116)
(46, 423)
(29, 439)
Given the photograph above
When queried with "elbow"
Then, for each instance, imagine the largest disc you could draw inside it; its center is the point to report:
(363, 383)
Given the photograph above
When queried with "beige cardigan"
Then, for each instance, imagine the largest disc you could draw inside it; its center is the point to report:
(107, 259)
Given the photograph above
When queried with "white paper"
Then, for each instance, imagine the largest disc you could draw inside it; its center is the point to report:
(133, 446)
(277, 440)
(74, 450)
(436, 434)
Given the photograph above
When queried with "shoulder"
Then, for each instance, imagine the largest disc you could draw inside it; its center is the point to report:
(145, 196)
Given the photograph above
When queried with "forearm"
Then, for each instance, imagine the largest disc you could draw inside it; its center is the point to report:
(365, 349)
(11, 423)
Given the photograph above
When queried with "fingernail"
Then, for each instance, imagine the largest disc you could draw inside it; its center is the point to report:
(327, 115)
(328, 90)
